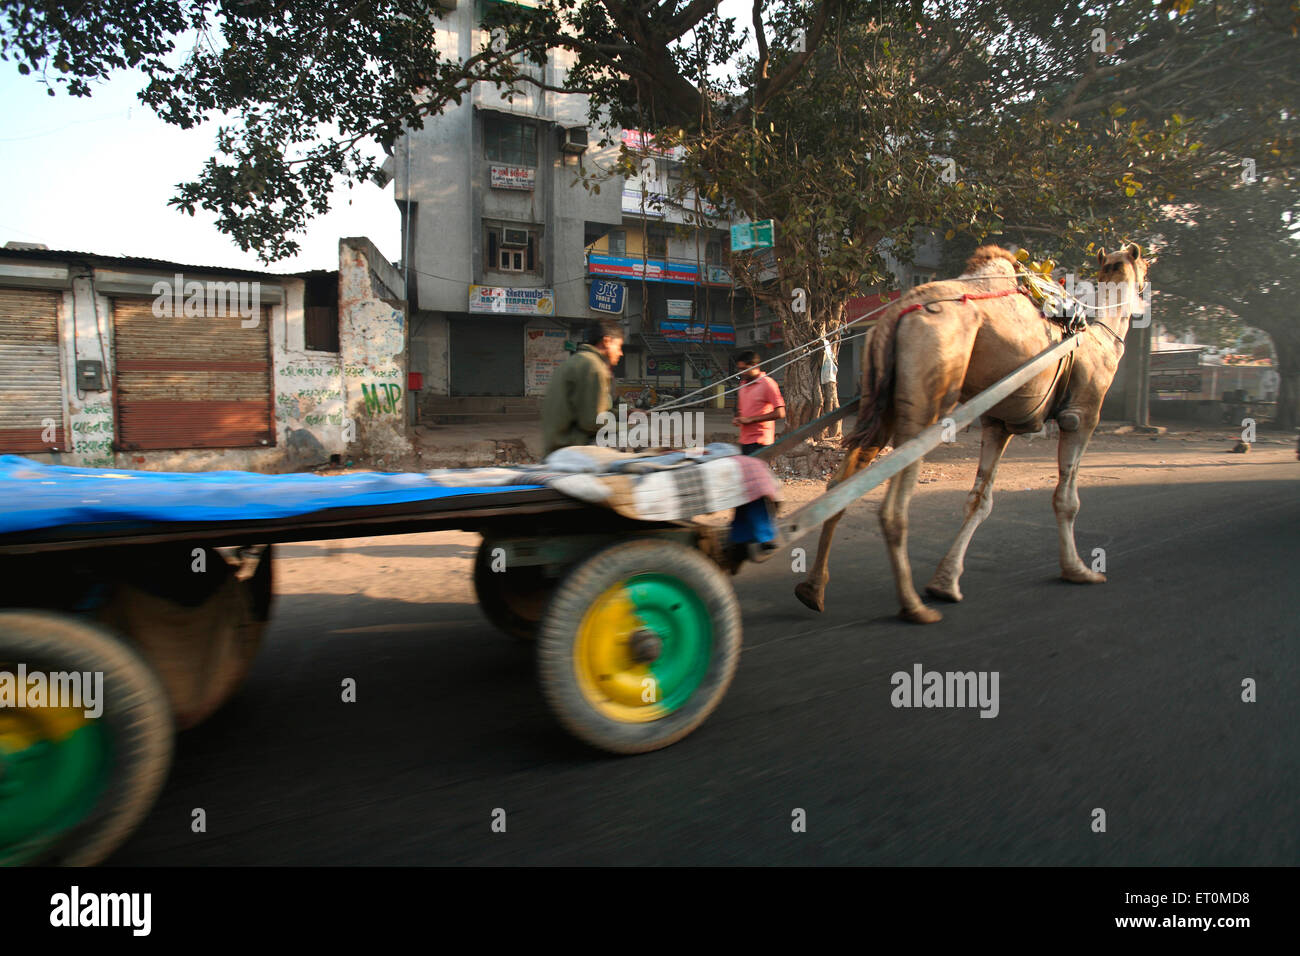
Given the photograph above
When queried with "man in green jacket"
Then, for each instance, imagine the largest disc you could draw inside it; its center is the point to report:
(580, 389)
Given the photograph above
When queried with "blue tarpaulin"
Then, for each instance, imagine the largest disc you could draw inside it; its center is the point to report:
(33, 495)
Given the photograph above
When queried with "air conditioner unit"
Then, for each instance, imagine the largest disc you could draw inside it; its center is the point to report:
(575, 140)
(514, 238)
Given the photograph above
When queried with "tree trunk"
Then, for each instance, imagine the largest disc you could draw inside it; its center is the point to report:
(804, 397)
(1286, 343)
(802, 393)
(1288, 400)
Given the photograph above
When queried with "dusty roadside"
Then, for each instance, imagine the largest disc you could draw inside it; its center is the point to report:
(426, 567)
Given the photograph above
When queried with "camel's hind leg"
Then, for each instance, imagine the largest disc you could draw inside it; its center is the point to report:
(979, 503)
(933, 353)
(1066, 503)
(812, 590)
(893, 521)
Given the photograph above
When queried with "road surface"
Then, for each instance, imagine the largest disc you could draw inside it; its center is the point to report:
(1124, 697)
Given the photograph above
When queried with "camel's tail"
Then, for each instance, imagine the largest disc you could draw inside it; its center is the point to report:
(875, 414)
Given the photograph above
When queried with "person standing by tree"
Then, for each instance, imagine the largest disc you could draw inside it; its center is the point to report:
(580, 389)
(759, 405)
(830, 389)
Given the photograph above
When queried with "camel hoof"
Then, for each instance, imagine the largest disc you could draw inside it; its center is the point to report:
(944, 592)
(921, 615)
(810, 596)
(1083, 576)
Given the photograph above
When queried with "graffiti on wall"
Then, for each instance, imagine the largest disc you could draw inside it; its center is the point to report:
(92, 436)
(372, 346)
(374, 376)
(382, 397)
(310, 396)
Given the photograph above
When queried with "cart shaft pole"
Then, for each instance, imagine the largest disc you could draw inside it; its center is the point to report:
(768, 452)
(810, 516)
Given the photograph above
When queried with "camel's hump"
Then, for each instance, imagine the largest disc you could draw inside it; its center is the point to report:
(991, 260)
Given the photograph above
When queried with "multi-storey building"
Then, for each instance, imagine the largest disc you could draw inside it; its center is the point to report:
(507, 253)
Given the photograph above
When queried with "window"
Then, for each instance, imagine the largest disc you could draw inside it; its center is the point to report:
(321, 328)
(657, 245)
(321, 313)
(921, 278)
(618, 243)
(511, 248)
(674, 174)
(509, 141)
(512, 260)
(713, 253)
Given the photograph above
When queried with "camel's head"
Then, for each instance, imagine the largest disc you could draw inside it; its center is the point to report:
(1123, 266)
(1122, 284)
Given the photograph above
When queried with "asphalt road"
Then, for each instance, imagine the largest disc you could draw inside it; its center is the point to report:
(1124, 697)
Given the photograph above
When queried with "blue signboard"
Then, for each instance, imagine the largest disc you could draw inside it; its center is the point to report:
(674, 331)
(606, 296)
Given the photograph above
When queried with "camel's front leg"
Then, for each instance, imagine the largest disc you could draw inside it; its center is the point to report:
(893, 521)
(979, 503)
(1066, 504)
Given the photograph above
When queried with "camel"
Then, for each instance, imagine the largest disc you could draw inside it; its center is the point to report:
(942, 343)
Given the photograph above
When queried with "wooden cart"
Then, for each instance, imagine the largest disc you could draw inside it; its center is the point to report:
(636, 625)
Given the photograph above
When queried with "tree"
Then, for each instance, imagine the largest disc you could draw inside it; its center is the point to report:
(1064, 124)
(1230, 260)
(274, 74)
(979, 120)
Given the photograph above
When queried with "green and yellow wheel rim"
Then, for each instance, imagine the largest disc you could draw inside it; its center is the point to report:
(53, 766)
(643, 648)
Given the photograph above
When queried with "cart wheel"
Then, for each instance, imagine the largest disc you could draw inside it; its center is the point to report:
(72, 787)
(513, 599)
(201, 653)
(638, 645)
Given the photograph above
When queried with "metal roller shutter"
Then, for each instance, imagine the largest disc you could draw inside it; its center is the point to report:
(190, 382)
(487, 356)
(31, 380)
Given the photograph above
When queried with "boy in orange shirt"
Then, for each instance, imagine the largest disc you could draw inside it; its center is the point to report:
(759, 405)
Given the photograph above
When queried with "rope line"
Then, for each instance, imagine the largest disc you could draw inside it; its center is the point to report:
(672, 403)
(1044, 287)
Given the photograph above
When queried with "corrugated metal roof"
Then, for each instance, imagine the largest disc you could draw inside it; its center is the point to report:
(140, 262)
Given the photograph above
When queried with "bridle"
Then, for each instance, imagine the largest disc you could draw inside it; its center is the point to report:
(1132, 316)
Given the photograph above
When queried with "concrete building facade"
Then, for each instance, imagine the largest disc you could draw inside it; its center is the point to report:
(139, 363)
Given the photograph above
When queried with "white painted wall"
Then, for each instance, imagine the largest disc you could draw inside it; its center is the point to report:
(372, 347)
(311, 401)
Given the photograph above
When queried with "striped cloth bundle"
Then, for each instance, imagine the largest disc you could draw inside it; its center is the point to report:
(648, 487)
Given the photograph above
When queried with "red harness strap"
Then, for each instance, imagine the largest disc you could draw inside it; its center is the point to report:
(964, 299)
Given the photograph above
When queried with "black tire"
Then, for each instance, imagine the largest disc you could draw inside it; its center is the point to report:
(574, 597)
(136, 715)
(515, 599)
(201, 652)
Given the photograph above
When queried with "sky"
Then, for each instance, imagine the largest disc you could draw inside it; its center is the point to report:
(94, 174)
